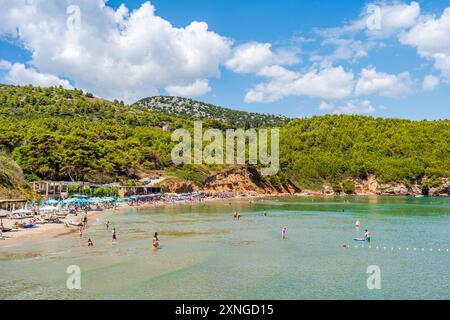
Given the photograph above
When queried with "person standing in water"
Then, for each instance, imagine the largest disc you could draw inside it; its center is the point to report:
(367, 235)
(357, 224)
(155, 241)
(283, 232)
(114, 236)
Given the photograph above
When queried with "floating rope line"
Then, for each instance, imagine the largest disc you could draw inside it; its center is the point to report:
(390, 248)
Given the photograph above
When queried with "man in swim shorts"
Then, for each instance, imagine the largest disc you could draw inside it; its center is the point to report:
(367, 235)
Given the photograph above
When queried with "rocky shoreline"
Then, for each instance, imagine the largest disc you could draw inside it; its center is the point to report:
(248, 180)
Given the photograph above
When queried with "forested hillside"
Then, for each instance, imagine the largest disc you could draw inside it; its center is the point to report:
(334, 148)
(53, 133)
(190, 108)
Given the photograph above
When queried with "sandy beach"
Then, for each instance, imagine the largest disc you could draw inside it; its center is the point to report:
(43, 231)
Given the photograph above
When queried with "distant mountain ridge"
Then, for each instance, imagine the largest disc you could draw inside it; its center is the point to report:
(191, 108)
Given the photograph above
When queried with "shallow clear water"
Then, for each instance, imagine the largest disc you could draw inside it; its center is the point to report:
(206, 255)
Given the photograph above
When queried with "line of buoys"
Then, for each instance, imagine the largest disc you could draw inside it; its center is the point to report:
(391, 248)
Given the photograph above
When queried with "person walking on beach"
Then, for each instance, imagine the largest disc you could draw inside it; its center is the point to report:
(283, 232)
(81, 231)
(155, 241)
(107, 225)
(114, 236)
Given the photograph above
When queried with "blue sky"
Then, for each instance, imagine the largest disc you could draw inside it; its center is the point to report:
(297, 58)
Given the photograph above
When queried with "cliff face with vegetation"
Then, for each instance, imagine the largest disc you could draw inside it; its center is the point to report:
(58, 134)
(247, 179)
(12, 182)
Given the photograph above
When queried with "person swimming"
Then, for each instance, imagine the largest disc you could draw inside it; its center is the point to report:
(155, 241)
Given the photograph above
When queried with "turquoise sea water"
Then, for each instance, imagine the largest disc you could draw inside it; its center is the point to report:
(206, 255)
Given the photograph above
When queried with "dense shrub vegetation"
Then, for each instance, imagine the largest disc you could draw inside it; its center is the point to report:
(334, 148)
(53, 133)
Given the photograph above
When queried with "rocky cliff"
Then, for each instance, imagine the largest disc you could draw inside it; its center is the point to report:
(12, 182)
(246, 179)
(371, 186)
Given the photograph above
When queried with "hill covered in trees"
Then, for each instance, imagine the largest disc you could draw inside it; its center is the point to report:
(190, 108)
(58, 134)
(334, 148)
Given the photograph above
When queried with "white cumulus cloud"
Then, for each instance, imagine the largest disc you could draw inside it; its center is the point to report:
(113, 53)
(196, 89)
(253, 56)
(430, 83)
(19, 74)
(387, 85)
(431, 38)
(393, 19)
(327, 83)
(349, 107)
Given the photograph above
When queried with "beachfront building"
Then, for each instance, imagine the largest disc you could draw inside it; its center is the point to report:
(60, 189)
(12, 204)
